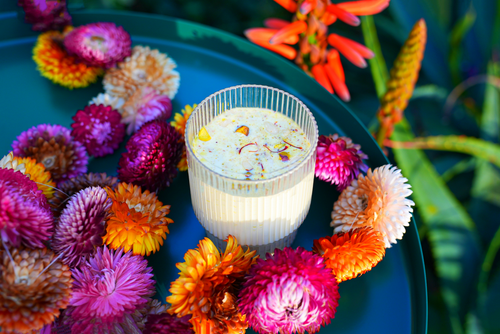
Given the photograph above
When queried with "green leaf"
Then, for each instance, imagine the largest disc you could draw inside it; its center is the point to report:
(430, 91)
(476, 147)
(377, 63)
(451, 231)
(490, 256)
(458, 32)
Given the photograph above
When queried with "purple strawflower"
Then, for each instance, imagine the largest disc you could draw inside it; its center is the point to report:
(152, 156)
(338, 160)
(143, 106)
(165, 323)
(100, 44)
(45, 15)
(290, 291)
(53, 146)
(25, 216)
(82, 225)
(99, 128)
(107, 289)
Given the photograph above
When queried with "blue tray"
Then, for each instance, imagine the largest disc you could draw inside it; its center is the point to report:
(392, 298)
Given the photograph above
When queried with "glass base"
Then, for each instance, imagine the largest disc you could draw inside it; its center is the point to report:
(261, 249)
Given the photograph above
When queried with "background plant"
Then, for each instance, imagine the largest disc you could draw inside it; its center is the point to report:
(451, 124)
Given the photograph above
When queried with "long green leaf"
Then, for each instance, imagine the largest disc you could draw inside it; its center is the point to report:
(377, 63)
(476, 147)
(457, 34)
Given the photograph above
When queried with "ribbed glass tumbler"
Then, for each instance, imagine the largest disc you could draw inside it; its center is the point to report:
(263, 213)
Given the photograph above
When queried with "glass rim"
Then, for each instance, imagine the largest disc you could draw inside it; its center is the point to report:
(297, 166)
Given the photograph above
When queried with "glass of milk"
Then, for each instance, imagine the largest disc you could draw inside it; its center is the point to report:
(251, 152)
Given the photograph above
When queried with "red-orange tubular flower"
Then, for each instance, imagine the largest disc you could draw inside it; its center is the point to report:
(308, 31)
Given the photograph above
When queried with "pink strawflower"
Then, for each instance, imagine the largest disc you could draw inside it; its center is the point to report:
(290, 291)
(82, 225)
(99, 128)
(53, 146)
(152, 156)
(338, 160)
(143, 106)
(45, 15)
(25, 216)
(107, 289)
(100, 44)
(165, 323)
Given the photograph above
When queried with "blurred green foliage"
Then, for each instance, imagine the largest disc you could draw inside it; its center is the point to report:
(457, 193)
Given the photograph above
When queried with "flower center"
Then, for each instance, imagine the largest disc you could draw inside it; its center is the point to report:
(101, 132)
(97, 43)
(49, 161)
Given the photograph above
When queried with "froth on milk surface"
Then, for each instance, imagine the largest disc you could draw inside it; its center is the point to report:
(251, 144)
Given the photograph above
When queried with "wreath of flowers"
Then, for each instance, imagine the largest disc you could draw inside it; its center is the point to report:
(73, 243)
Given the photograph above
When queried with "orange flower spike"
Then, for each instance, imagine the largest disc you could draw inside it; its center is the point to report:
(359, 48)
(333, 58)
(353, 253)
(289, 5)
(275, 23)
(328, 18)
(338, 85)
(364, 7)
(265, 34)
(347, 51)
(284, 50)
(293, 29)
(320, 75)
(343, 15)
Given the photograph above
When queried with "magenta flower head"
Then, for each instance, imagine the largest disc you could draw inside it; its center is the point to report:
(108, 288)
(82, 225)
(290, 291)
(143, 106)
(45, 14)
(165, 323)
(152, 156)
(100, 44)
(99, 128)
(338, 160)
(25, 216)
(53, 146)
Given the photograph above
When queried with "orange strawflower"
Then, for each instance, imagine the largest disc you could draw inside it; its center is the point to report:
(207, 287)
(138, 220)
(353, 253)
(36, 172)
(54, 63)
(179, 123)
(308, 29)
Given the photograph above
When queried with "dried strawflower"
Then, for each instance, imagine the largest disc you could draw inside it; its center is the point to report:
(72, 186)
(144, 66)
(138, 220)
(34, 287)
(25, 216)
(207, 284)
(45, 15)
(353, 253)
(108, 288)
(378, 201)
(99, 129)
(53, 146)
(404, 75)
(114, 102)
(37, 173)
(338, 160)
(308, 29)
(179, 123)
(291, 291)
(152, 156)
(142, 314)
(101, 44)
(55, 64)
(10, 162)
(82, 225)
(165, 323)
(143, 106)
